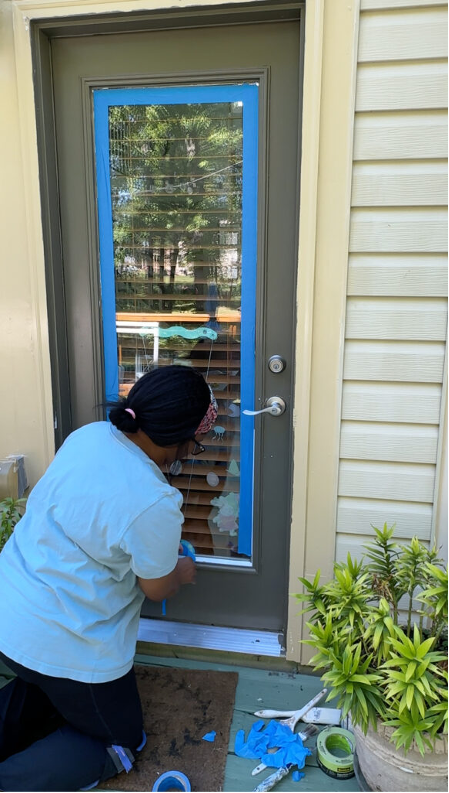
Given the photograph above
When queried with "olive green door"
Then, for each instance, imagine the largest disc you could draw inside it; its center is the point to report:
(178, 173)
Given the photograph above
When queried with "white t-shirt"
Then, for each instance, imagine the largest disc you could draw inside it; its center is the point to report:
(102, 514)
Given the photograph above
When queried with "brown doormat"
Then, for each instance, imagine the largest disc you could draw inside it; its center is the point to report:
(179, 707)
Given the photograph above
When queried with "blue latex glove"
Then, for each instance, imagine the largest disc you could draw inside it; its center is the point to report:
(290, 746)
(210, 736)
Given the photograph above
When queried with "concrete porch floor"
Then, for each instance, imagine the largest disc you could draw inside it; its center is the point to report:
(261, 688)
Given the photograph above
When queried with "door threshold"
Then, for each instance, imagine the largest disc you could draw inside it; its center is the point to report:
(211, 637)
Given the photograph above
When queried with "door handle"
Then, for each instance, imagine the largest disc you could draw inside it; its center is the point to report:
(275, 406)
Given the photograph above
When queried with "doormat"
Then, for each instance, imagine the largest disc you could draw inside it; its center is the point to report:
(180, 706)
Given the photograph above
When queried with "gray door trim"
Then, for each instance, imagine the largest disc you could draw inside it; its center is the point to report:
(172, 18)
(51, 228)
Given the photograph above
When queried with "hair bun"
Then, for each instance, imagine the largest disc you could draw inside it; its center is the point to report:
(124, 419)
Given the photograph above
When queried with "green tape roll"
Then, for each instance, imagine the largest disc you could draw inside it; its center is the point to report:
(330, 741)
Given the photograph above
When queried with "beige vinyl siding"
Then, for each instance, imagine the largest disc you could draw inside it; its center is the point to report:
(401, 86)
(410, 518)
(391, 402)
(387, 318)
(401, 136)
(402, 34)
(398, 230)
(396, 319)
(388, 5)
(399, 184)
(398, 275)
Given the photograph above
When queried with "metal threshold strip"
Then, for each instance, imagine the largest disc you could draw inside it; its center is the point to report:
(211, 637)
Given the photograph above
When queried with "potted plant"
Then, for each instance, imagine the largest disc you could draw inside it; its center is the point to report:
(11, 510)
(380, 631)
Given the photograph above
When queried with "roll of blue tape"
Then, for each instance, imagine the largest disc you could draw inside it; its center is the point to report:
(188, 549)
(172, 780)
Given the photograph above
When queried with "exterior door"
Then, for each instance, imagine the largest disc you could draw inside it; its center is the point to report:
(178, 170)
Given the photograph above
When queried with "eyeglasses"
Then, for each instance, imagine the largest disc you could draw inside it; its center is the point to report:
(198, 448)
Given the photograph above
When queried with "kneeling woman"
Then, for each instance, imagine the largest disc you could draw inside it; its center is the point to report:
(101, 530)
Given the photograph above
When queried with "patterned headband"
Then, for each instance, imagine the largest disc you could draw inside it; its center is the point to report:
(210, 417)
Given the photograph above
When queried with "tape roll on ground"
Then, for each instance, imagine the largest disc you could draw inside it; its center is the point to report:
(335, 752)
(172, 780)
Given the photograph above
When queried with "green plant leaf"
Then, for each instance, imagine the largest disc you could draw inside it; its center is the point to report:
(356, 658)
(424, 647)
(420, 704)
(410, 670)
(402, 648)
(361, 697)
(394, 688)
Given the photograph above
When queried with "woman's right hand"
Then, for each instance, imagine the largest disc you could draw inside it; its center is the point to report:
(186, 570)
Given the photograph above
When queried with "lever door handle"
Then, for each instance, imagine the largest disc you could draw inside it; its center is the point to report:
(275, 406)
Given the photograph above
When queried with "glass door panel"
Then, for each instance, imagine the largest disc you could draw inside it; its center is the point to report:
(177, 196)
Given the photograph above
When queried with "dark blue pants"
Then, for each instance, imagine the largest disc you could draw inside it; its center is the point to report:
(60, 734)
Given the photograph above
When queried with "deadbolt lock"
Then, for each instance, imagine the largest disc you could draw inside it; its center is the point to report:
(276, 364)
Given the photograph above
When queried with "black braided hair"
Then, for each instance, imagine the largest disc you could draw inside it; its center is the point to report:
(169, 404)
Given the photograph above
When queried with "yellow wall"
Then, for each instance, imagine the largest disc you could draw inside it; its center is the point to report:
(25, 389)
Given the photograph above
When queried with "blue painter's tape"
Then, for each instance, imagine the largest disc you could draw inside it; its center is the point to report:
(175, 95)
(248, 331)
(124, 759)
(101, 116)
(247, 94)
(188, 549)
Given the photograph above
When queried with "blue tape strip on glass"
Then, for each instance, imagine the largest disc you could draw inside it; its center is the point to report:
(247, 96)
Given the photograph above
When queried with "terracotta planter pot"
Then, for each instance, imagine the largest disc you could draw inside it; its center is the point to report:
(386, 768)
